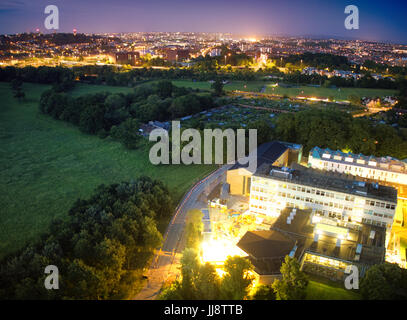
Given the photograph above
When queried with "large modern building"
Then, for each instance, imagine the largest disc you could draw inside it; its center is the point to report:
(384, 169)
(275, 152)
(131, 58)
(348, 202)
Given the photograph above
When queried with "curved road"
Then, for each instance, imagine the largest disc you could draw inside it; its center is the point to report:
(165, 261)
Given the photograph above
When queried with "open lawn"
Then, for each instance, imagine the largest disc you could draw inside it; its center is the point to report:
(45, 165)
(81, 89)
(321, 92)
(252, 86)
(329, 290)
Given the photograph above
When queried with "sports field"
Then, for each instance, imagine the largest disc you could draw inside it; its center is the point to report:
(45, 165)
(322, 92)
(252, 86)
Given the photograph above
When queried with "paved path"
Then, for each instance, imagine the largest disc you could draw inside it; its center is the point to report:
(165, 261)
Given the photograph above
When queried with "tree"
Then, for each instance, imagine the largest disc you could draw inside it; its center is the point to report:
(128, 133)
(190, 271)
(194, 228)
(198, 281)
(217, 87)
(208, 282)
(92, 119)
(115, 109)
(16, 85)
(184, 105)
(384, 282)
(164, 89)
(264, 130)
(238, 278)
(19, 94)
(293, 284)
(264, 292)
(100, 250)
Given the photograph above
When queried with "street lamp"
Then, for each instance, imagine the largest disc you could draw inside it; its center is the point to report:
(228, 55)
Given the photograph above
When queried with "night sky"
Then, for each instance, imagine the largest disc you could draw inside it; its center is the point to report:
(379, 20)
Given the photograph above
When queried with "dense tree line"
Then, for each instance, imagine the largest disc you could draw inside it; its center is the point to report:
(384, 282)
(204, 69)
(201, 281)
(62, 79)
(118, 115)
(367, 81)
(339, 130)
(384, 68)
(115, 76)
(316, 60)
(402, 97)
(100, 249)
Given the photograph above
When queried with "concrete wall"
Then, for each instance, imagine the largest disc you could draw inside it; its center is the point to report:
(238, 180)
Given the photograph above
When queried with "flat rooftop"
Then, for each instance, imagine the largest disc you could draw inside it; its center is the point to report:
(267, 249)
(327, 180)
(379, 163)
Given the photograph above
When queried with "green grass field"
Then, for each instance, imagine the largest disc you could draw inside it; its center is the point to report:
(81, 89)
(252, 86)
(328, 290)
(45, 165)
(321, 92)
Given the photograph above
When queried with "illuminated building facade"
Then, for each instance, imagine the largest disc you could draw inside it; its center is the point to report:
(384, 169)
(277, 153)
(348, 202)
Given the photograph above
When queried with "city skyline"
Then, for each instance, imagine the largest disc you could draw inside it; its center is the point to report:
(378, 21)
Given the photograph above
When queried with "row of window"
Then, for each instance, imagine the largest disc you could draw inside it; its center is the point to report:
(259, 189)
(323, 193)
(380, 204)
(318, 192)
(257, 197)
(258, 206)
(362, 169)
(311, 200)
(375, 223)
(371, 212)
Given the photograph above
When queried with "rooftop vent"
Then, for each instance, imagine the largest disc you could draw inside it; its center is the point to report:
(361, 184)
(281, 172)
(359, 249)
